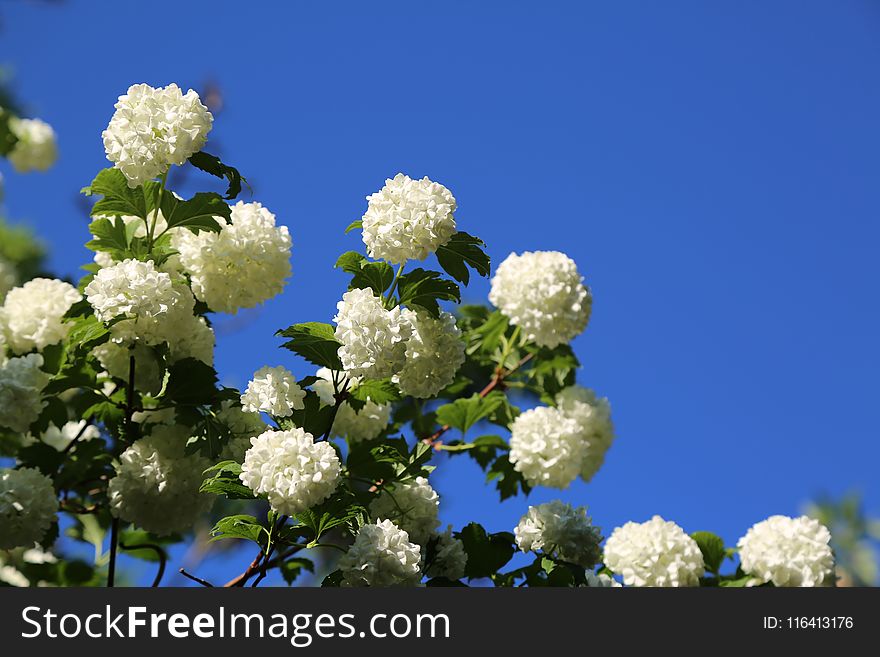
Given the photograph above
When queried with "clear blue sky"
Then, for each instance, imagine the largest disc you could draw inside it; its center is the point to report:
(711, 167)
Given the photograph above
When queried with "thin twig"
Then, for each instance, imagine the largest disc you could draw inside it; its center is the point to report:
(163, 558)
(114, 539)
(199, 580)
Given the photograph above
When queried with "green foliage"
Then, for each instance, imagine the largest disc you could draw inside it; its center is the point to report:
(314, 417)
(240, 526)
(313, 341)
(486, 553)
(354, 225)
(712, 547)
(292, 568)
(459, 253)
(462, 414)
(118, 198)
(224, 481)
(425, 288)
(190, 382)
(198, 213)
(342, 509)
(211, 164)
(375, 276)
(8, 140)
(379, 391)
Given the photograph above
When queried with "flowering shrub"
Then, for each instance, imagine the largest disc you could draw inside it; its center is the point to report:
(112, 409)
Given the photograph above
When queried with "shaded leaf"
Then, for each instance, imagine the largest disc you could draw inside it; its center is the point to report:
(315, 342)
(459, 253)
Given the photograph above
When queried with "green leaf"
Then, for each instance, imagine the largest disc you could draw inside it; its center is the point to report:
(191, 382)
(225, 482)
(211, 164)
(110, 235)
(462, 414)
(315, 342)
(507, 480)
(378, 391)
(483, 450)
(293, 568)
(459, 253)
(8, 140)
(86, 332)
(424, 288)
(375, 276)
(341, 509)
(119, 199)
(239, 526)
(353, 225)
(487, 553)
(198, 213)
(712, 547)
(314, 417)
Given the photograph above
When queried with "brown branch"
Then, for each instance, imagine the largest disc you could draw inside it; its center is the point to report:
(496, 382)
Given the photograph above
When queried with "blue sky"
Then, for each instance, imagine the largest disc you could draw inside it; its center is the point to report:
(711, 167)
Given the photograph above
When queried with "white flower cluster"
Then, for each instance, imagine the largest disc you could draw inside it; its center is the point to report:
(32, 314)
(273, 390)
(412, 505)
(59, 438)
(373, 339)
(156, 486)
(788, 552)
(291, 469)
(381, 555)
(353, 425)
(560, 530)
(545, 446)
(450, 559)
(601, 581)
(27, 507)
(551, 446)
(408, 219)
(543, 293)
(132, 289)
(654, 553)
(153, 129)
(35, 149)
(596, 430)
(3, 357)
(243, 265)
(21, 386)
(434, 352)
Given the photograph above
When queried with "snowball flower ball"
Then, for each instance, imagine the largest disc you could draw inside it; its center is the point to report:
(35, 149)
(21, 386)
(291, 469)
(156, 486)
(545, 447)
(273, 390)
(788, 552)
(543, 293)
(596, 430)
(654, 553)
(412, 505)
(449, 559)
(130, 288)
(243, 265)
(27, 507)
(153, 129)
(32, 314)
(434, 352)
(560, 530)
(408, 219)
(373, 339)
(353, 425)
(381, 555)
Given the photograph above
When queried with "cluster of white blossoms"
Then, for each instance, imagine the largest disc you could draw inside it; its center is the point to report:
(373, 339)
(60, 437)
(408, 219)
(273, 390)
(434, 352)
(31, 316)
(545, 446)
(543, 293)
(411, 505)
(353, 425)
(132, 288)
(291, 469)
(654, 553)
(27, 507)
(21, 386)
(243, 265)
(596, 430)
(560, 530)
(381, 555)
(156, 486)
(13, 560)
(153, 129)
(35, 148)
(788, 552)
(449, 559)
